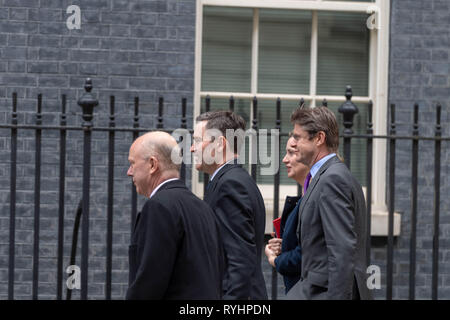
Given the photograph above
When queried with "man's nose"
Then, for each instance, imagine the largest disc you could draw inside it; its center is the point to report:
(192, 149)
(129, 173)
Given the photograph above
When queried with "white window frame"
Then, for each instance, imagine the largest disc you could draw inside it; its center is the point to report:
(378, 87)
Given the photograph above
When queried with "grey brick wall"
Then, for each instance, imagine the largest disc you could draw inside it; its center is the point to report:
(419, 72)
(129, 48)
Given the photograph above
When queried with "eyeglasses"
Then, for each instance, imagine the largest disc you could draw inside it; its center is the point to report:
(198, 140)
(296, 137)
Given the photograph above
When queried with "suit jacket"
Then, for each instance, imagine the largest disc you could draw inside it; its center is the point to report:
(288, 263)
(241, 216)
(332, 234)
(175, 249)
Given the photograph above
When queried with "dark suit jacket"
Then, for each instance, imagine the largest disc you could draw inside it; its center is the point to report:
(241, 216)
(288, 263)
(332, 233)
(175, 249)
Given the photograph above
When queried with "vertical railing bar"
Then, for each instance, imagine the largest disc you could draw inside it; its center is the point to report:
(231, 103)
(73, 251)
(135, 136)
(276, 195)
(205, 175)
(301, 103)
(37, 199)
(87, 102)
(12, 203)
(62, 171)
(255, 128)
(390, 246)
(160, 124)
(183, 126)
(369, 182)
(414, 184)
(437, 182)
(348, 110)
(110, 209)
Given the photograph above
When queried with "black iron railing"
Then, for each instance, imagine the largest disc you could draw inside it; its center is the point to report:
(88, 103)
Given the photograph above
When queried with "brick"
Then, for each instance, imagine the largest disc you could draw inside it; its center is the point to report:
(89, 55)
(119, 69)
(18, 14)
(57, 28)
(42, 67)
(44, 41)
(119, 30)
(147, 32)
(120, 5)
(14, 53)
(119, 44)
(119, 18)
(53, 81)
(51, 15)
(16, 66)
(20, 3)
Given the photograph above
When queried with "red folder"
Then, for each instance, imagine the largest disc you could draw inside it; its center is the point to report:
(277, 224)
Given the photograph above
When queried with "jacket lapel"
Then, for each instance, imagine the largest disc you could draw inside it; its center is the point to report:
(312, 185)
(213, 183)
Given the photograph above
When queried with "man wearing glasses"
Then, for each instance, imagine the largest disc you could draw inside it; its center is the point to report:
(332, 215)
(236, 201)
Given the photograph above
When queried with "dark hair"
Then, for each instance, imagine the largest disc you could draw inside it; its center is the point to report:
(318, 119)
(222, 120)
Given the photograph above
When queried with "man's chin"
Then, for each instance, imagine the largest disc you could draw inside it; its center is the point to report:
(199, 167)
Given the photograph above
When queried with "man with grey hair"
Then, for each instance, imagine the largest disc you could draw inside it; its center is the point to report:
(175, 251)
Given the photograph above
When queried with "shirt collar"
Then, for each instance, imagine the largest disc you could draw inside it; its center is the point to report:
(217, 170)
(316, 167)
(161, 184)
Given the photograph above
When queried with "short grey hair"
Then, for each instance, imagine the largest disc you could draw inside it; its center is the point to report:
(163, 153)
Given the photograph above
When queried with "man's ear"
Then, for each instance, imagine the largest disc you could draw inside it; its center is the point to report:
(154, 164)
(321, 138)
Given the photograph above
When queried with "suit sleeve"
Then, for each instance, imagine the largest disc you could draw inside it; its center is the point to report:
(238, 235)
(289, 263)
(338, 220)
(159, 235)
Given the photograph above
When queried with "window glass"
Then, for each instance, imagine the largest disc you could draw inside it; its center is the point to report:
(226, 49)
(343, 53)
(284, 51)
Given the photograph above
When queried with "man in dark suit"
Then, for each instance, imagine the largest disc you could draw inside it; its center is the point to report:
(175, 247)
(332, 215)
(236, 201)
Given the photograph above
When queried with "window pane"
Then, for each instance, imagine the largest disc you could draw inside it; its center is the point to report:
(226, 50)
(343, 53)
(284, 51)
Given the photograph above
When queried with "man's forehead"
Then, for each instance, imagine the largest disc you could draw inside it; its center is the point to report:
(199, 128)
